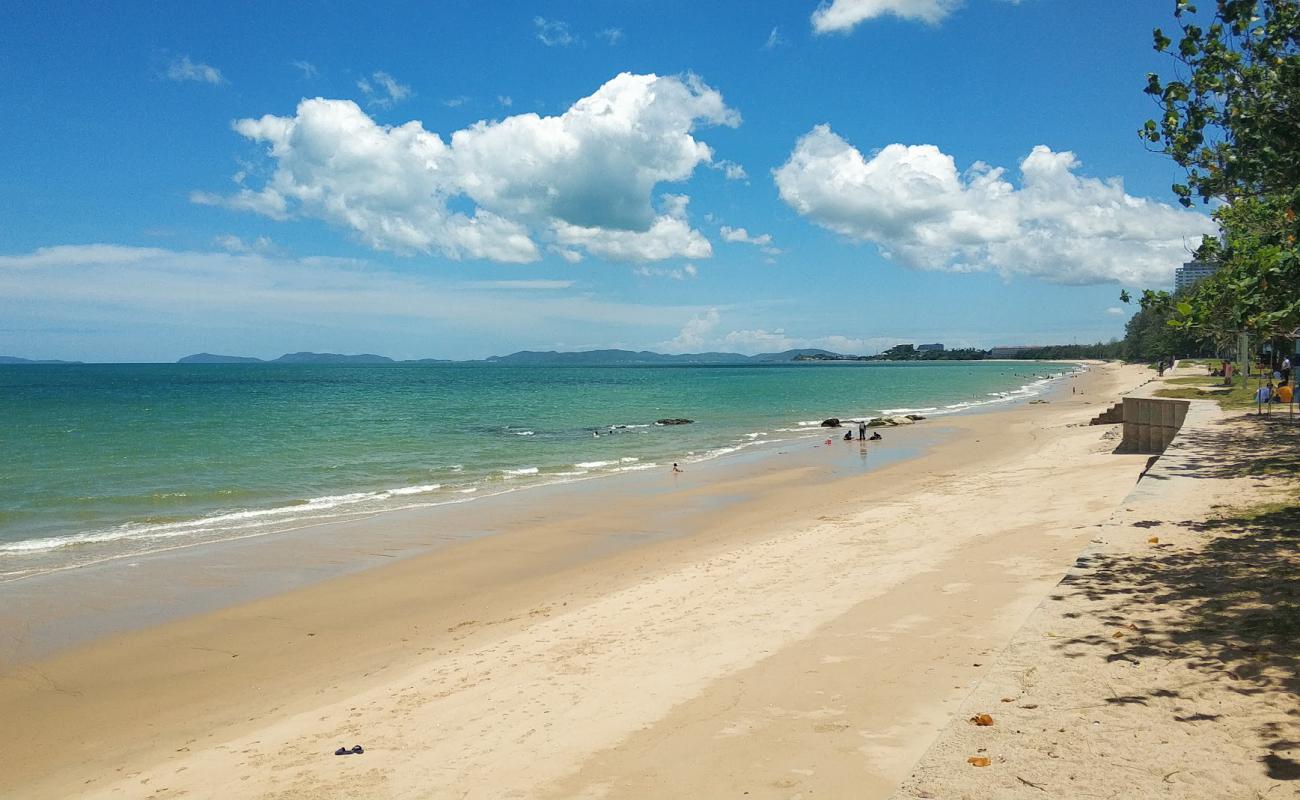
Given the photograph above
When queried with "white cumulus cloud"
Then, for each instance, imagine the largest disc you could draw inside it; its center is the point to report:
(763, 241)
(668, 236)
(183, 69)
(911, 201)
(702, 332)
(731, 170)
(554, 33)
(841, 16)
(584, 180)
(742, 235)
(697, 331)
(383, 90)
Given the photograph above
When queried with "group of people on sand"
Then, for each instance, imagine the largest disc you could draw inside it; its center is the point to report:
(862, 434)
(848, 437)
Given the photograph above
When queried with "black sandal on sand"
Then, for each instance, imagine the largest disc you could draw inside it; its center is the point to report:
(342, 751)
(357, 750)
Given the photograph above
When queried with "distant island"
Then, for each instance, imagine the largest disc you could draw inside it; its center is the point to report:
(209, 358)
(642, 357)
(304, 358)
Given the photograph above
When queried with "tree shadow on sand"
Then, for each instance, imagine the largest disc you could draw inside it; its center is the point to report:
(1236, 447)
(1227, 607)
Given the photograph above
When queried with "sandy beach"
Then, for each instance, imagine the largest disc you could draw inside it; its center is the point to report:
(786, 629)
(1166, 663)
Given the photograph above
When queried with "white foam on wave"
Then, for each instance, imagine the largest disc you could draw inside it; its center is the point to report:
(523, 433)
(594, 464)
(637, 467)
(521, 471)
(57, 542)
(316, 507)
(405, 490)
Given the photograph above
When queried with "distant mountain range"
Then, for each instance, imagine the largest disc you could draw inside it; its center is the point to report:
(613, 358)
(584, 358)
(17, 360)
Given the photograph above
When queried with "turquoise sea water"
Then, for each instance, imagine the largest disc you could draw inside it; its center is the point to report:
(101, 461)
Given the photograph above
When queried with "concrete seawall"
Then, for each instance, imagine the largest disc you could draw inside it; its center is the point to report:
(1151, 423)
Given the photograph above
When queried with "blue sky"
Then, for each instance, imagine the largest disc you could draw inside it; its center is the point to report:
(467, 179)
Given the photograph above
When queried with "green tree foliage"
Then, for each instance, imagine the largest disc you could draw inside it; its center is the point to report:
(1149, 337)
(907, 352)
(1231, 117)
(1066, 352)
(1257, 287)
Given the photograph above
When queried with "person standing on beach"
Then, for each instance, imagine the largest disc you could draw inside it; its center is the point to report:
(862, 430)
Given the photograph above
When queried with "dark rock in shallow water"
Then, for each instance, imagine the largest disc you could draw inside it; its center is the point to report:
(675, 421)
(915, 417)
(833, 422)
(878, 422)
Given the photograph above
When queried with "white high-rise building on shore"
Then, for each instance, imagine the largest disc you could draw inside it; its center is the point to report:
(1186, 276)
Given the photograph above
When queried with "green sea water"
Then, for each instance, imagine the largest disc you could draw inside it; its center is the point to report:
(101, 461)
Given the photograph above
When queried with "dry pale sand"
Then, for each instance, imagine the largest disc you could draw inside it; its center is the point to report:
(1167, 663)
(809, 639)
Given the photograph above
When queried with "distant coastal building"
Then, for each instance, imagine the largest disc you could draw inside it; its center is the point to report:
(1189, 274)
(1012, 351)
(929, 348)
